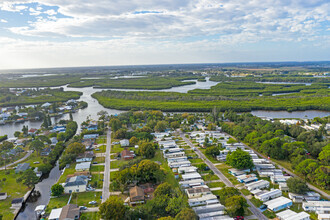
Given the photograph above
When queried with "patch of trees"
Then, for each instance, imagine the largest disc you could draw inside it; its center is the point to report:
(71, 153)
(239, 159)
(3, 138)
(307, 151)
(234, 202)
(28, 178)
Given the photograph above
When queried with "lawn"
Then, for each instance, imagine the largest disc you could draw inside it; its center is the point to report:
(13, 189)
(97, 168)
(245, 192)
(269, 214)
(216, 184)
(224, 170)
(113, 174)
(34, 158)
(102, 149)
(216, 192)
(89, 216)
(117, 164)
(210, 177)
(256, 202)
(116, 148)
(99, 159)
(67, 172)
(198, 160)
(101, 140)
(97, 180)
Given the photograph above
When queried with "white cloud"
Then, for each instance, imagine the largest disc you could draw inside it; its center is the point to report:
(3, 21)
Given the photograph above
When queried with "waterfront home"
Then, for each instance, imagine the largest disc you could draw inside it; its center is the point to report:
(22, 167)
(136, 195)
(3, 196)
(124, 143)
(127, 155)
(291, 215)
(278, 204)
(87, 156)
(17, 203)
(68, 212)
(75, 184)
(58, 129)
(32, 131)
(203, 200)
(85, 166)
(198, 191)
(267, 195)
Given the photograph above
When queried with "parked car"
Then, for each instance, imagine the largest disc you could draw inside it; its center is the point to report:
(239, 218)
(83, 208)
(94, 162)
(92, 203)
(263, 206)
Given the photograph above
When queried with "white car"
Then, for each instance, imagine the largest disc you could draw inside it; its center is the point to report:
(92, 203)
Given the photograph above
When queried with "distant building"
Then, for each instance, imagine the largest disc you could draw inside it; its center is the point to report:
(124, 143)
(267, 195)
(127, 155)
(53, 141)
(203, 200)
(32, 131)
(85, 166)
(68, 212)
(75, 184)
(320, 207)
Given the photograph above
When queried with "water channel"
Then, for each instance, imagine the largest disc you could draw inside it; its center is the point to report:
(91, 111)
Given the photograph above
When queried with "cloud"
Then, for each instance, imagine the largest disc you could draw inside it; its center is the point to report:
(3, 21)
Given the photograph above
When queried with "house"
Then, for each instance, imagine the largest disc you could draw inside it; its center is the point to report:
(46, 105)
(53, 141)
(186, 163)
(247, 178)
(90, 136)
(167, 144)
(279, 178)
(75, 184)
(237, 172)
(174, 154)
(46, 151)
(296, 198)
(17, 203)
(261, 184)
(32, 131)
(278, 204)
(124, 143)
(58, 129)
(55, 214)
(88, 144)
(177, 159)
(191, 183)
(183, 170)
(198, 191)
(323, 216)
(312, 196)
(191, 176)
(291, 215)
(320, 207)
(127, 155)
(203, 200)
(208, 208)
(83, 166)
(70, 212)
(92, 127)
(3, 196)
(136, 195)
(22, 167)
(267, 195)
(87, 156)
(147, 188)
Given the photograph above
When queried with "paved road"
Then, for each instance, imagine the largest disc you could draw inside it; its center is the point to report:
(18, 161)
(287, 171)
(106, 182)
(224, 179)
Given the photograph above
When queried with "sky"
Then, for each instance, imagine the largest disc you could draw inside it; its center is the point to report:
(69, 33)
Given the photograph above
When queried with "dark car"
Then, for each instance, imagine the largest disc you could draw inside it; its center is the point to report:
(239, 218)
(263, 206)
(94, 162)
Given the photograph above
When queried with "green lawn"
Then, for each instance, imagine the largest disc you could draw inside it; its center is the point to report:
(245, 192)
(269, 214)
(102, 149)
(118, 163)
(97, 180)
(210, 177)
(13, 189)
(112, 174)
(224, 170)
(198, 160)
(256, 202)
(67, 172)
(89, 216)
(102, 139)
(99, 159)
(216, 184)
(116, 148)
(97, 168)
(34, 158)
(216, 192)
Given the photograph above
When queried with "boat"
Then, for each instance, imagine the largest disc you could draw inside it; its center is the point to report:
(40, 211)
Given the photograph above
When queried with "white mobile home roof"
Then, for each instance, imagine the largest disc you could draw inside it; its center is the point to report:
(83, 166)
(191, 169)
(186, 163)
(208, 208)
(291, 215)
(224, 217)
(274, 203)
(270, 194)
(191, 176)
(203, 198)
(211, 214)
(196, 182)
(257, 185)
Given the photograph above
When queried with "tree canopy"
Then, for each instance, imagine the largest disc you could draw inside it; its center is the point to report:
(240, 159)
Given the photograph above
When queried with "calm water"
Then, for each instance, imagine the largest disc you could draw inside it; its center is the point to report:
(310, 114)
(44, 188)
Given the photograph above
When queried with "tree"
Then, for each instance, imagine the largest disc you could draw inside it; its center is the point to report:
(164, 189)
(227, 192)
(37, 145)
(133, 141)
(212, 151)
(28, 178)
(57, 189)
(149, 171)
(186, 214)
(161, 126)
(231, 141)
(115, 124)
(25, 130)
(147, 150)
(175, 205)
(175, 125)
(211, 127)
(240, 159)
(45, 124)
(17, 134)
(6, 145)
(113, 208)
(75, 148)
(235, 205)
(324, 155)
(322, 176)
(45, 168)
(296, 185)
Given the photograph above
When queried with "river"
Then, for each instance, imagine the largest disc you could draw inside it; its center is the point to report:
(94, 107)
